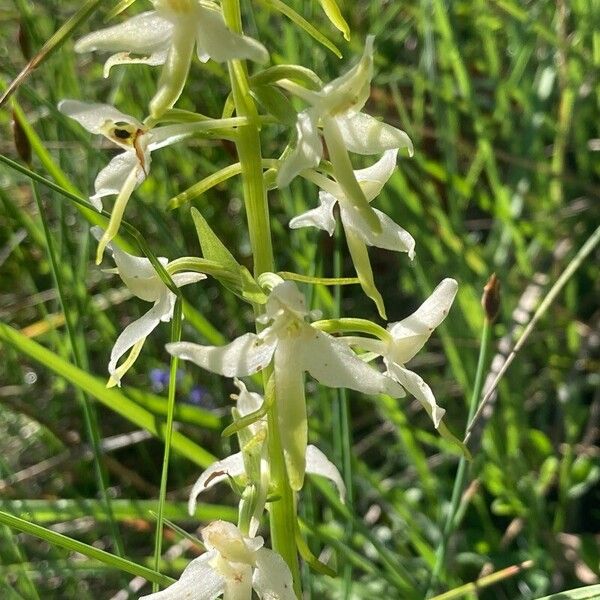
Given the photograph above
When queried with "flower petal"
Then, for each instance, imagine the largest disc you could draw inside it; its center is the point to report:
(350, 91)
(320, 217)
(364, 134)
(145, 34)
(187, 277)
(175, 70)
(291, 410)
(308, 151)
(215, 40)
(272, 578)
(125, 58)
(318, 464)
(117, 212)
(167, 135)
(95, 116)
(286, 296)
(332, 363)
(344, 173)
(411, 333)
(228, 541)
(246, 402)
(392, 236)
(419, 389)
(373, 178)
(139, 330)
(246, 355)
(238, 583)
(112, 178)
(138, 274)
(199, 581)
(231, 466)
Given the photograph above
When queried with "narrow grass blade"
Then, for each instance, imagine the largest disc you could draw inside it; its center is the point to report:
(53, 44)
(301, 22)
(62, 541)
(111, 398)
(175, 337)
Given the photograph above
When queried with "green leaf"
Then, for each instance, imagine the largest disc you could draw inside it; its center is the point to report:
(112, 398)
(214, 249)
(591, 592)
(52, 511)
(334, 14)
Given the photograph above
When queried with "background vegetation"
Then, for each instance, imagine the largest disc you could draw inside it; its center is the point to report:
(501, 99)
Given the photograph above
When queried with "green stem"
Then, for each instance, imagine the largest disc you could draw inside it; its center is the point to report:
(89, 415)
(283, 520)
(461, 473)
(175, 337)
(341, 416)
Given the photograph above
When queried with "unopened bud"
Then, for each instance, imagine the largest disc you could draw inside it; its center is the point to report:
(21, 140)
(490, 300)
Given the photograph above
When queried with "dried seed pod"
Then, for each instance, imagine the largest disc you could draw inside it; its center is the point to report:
(490, 300)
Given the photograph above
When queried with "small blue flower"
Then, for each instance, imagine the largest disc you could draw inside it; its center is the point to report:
(199, 396)
(159, 378)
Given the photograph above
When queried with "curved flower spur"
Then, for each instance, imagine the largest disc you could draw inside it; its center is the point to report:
(295, 346)
(357, 231)
(232, 566)
(129, 169)
(337, 109)
(142, 280)
(167, 36)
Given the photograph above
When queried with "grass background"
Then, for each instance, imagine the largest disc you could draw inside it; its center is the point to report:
(501, 99)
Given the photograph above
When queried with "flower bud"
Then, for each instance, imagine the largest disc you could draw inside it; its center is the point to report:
(490, 300)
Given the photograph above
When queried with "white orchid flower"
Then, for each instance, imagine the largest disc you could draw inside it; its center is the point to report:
(140, 277)
(255, 450)
(167, 36)
(337, 109)
(232, 567)
(295, 347)
(407, 337)
(126, 170)
(357, 230)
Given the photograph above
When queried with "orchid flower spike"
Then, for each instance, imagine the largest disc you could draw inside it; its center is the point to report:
(407, 337)
(142, 280)
(357, 230)
(233, 566)
(126, 170)
(295, 346)
(236, 465)
(337, 109)
(167, 36)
